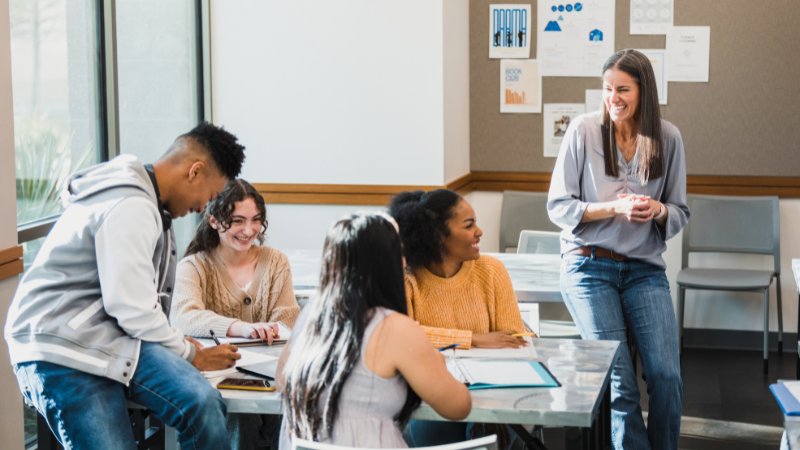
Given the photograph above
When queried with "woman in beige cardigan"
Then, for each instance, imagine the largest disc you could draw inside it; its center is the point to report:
(227, 283)
(231, 284)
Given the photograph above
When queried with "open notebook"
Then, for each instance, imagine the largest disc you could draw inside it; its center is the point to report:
(493, 374)
(283, 335)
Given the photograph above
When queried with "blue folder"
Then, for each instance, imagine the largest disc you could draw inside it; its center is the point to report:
(548, 380)
(788, 402)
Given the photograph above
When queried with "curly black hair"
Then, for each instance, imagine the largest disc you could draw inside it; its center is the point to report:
(422, 217)
(223, 147)
(221, 207)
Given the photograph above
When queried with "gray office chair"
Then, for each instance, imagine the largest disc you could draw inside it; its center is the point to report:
(555, 320)
(483, 443)
(522, 211)
(720, 224)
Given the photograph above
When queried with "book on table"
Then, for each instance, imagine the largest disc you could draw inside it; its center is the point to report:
(788, 396)
(494, 374)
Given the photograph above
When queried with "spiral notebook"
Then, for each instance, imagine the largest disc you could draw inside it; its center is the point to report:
(496, 374)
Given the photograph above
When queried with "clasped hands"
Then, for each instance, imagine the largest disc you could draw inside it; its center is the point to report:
(637, 208)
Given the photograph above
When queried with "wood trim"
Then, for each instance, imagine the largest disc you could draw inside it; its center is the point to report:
(11, 262)
(364, 194)
(333, 194)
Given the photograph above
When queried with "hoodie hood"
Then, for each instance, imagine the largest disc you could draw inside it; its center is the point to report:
(124, 170)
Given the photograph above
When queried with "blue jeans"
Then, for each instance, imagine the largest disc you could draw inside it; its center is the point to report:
(607, 299)
(90, 412)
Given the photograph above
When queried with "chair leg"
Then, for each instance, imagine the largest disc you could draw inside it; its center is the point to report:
(681, 299)
(780, 314)
(766, 329)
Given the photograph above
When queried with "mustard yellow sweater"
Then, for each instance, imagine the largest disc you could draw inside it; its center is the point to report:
(477, 299)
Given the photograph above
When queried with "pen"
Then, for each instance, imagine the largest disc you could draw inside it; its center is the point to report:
(447, 347)
(214, 337)
(527, 334)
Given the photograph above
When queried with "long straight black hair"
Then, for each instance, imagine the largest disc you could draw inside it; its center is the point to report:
(362, 269)
(647, 118)
(221, 208)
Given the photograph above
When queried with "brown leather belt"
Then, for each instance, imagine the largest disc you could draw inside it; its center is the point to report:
(599, 252)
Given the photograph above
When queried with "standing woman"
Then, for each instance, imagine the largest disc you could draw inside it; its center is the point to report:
(356, 365)
(618, 192)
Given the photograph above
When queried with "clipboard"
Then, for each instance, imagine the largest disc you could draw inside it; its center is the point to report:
(500, 374)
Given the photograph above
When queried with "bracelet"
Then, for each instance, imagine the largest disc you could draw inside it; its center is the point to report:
(661, 213)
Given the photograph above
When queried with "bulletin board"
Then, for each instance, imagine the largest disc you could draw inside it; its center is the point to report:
(744, 122)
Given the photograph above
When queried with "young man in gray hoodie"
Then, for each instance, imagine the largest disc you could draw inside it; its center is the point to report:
(88, 330)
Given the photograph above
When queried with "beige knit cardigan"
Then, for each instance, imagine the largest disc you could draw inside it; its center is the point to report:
(206, 298)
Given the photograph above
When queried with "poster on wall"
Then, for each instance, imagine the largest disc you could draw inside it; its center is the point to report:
(557, 117)
(509, 31)
(651, 16)
(520, 86)
(658, 61)
(687, 54)
(574, 38)
(593, 100)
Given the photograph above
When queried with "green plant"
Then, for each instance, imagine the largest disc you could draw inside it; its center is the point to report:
(44, 162)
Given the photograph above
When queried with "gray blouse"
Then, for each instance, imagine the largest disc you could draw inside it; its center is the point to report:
(579, 178)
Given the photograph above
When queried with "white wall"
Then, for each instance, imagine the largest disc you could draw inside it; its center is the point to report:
(456, 89)
(11, 428)
(713, 310)
(305, 226)
(345, 92)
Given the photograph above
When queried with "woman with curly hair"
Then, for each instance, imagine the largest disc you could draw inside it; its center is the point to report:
(356, 365)
(229, 283)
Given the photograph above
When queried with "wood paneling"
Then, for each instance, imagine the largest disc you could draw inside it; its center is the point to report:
(362, 194)
(11, 262)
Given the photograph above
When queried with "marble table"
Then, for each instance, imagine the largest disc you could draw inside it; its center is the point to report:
(535, 277)
(582, 402)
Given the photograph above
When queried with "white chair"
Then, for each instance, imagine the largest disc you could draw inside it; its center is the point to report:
(522, 211)
(484, 443)
(555, 320)
(727, 224)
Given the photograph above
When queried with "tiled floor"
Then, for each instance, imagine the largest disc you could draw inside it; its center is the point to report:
(727, 403)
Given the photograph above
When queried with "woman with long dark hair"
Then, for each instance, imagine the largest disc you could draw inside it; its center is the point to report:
(228, 282)
(356, 365)
(618, 192)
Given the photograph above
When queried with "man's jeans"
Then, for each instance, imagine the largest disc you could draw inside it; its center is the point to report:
(607, 299)
(90, 412)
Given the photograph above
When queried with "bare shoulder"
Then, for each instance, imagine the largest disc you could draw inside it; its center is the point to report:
(404, 328)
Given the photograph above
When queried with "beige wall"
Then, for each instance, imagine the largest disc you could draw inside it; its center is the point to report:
(11, 428)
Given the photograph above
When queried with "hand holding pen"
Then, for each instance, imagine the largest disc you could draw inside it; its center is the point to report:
(220, 356)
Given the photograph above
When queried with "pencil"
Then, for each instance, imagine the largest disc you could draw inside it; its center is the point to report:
(526, 334)
(214, 336)
(447, 347)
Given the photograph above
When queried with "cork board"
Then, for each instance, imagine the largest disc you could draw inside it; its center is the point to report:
(744, 121)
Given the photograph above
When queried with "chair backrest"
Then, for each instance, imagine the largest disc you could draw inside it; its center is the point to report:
(727, 224)
(522, 211)
(541, 242)
(484, 443)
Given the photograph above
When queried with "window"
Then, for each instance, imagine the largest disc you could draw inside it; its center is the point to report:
(59, 64)
(159, 79)
(57, 110)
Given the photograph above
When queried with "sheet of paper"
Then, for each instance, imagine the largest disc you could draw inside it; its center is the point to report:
(657, 59)
(557, 117)
(651, 16)
(794, 388)
(528, 352)
(248, 357)
(509, 31)
(593, 99)
(500, 372)
(530, 315)
(574, 39)
(687, 54)
(520, 86)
